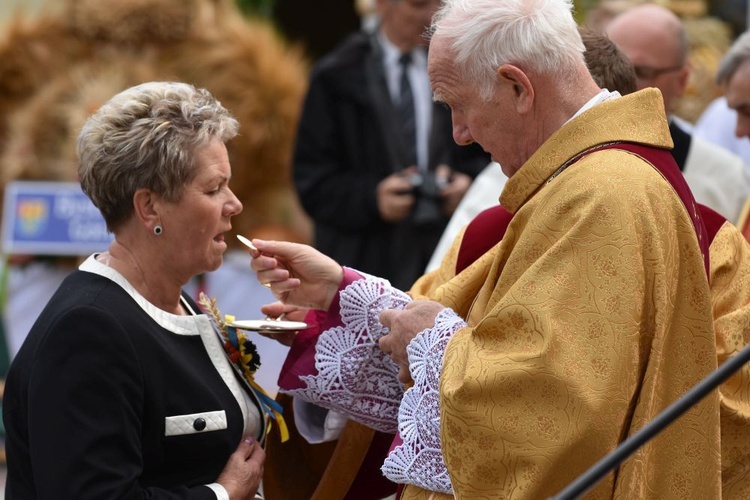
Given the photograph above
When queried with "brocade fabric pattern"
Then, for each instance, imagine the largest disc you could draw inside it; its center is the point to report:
(589, 318)
(730, 293)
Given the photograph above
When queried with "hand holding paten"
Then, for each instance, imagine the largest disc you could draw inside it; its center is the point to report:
(403, 326)
(281, 311)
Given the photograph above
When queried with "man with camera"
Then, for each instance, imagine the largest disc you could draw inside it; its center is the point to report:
(375, 165)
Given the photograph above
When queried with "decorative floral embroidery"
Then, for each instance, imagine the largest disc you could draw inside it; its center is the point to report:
(418, 460)
(354, 375)
(243, 355)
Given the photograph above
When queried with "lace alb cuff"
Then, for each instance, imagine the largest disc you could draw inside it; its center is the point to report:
(354, 376)
(419, 459)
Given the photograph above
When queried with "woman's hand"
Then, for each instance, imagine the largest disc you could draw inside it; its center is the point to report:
(298, 275)
(244, 470)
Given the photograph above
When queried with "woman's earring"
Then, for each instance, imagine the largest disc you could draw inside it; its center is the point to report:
(158, 230)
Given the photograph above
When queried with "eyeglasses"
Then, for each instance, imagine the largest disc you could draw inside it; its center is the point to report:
(649, 73)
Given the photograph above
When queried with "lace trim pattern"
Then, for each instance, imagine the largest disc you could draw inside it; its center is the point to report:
(354, 376)
(419, 459)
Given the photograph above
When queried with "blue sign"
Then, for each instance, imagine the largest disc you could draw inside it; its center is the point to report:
(51, 218)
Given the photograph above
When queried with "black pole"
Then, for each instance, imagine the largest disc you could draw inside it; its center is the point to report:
(596, 473)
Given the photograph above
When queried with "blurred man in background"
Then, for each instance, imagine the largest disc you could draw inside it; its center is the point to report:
(654, 39)
(375, 165)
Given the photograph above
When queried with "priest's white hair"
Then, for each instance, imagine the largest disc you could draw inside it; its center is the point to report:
(536, 35)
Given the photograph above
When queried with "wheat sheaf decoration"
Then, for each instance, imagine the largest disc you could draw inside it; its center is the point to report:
(244, 357)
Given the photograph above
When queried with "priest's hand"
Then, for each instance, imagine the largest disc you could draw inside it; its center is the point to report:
(403, 326)
(298, 275)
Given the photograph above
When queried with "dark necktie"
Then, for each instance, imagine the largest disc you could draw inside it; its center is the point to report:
(681, 140)
(406, 113)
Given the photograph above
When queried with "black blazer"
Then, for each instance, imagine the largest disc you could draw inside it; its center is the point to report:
(348, 141)
(102, 402)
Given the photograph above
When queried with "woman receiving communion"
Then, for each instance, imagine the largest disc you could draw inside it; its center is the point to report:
(122, 388)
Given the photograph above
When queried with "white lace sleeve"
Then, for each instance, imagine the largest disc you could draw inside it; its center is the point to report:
(354, 376)
(419, 460)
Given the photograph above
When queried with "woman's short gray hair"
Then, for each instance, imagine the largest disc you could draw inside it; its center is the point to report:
(737, 54)
(537, 35)
(145, 137)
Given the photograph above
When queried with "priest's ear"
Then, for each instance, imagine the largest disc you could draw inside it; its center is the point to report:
(517, 86)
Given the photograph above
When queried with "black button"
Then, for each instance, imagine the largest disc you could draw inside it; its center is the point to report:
(199, 424)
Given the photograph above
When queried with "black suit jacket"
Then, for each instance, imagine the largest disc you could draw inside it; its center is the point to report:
(348, 141)
(88, 396)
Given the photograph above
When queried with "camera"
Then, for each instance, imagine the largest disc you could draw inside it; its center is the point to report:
(428, 207)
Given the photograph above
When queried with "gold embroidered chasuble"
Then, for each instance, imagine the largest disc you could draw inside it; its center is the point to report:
(730, 292)
(591, 316)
